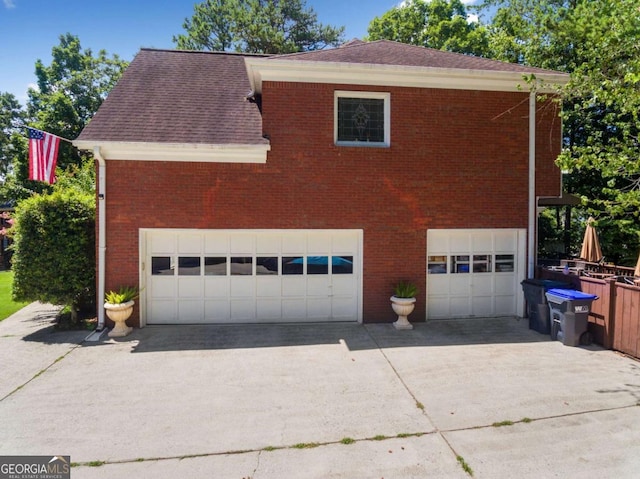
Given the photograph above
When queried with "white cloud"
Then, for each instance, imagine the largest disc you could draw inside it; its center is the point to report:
(472, 18)
(9, 4)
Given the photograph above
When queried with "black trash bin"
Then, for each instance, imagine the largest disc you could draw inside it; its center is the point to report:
(537, 306)
(569, 314)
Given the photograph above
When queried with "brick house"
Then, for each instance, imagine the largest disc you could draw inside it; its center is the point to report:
(301, 187)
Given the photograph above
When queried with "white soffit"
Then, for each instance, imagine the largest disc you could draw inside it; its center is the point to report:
(261, 69)
(198, 152)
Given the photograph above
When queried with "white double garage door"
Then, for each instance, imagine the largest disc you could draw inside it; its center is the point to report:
(235, 276)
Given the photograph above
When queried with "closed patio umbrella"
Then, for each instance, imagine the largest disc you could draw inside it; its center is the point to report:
(590, 244)
(637, 271)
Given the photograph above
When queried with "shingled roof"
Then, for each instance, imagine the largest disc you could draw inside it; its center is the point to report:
(386, 52)
(170, 96)
(200, 98)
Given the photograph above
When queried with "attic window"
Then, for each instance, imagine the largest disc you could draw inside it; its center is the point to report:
(362, 118)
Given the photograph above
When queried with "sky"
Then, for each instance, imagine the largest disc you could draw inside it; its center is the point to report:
(30, 28)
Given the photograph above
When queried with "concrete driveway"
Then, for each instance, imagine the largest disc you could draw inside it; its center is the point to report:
(486, 398)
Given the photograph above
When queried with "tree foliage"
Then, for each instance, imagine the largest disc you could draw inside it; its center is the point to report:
(256, 26)
(54, 249)
(11, 122)
(69, 91)
(598, 43)
(440, 24)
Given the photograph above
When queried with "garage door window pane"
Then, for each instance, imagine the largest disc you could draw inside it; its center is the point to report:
(188, 266)
(437, 265)
(161, 266)
(215, 266)
(267, 265)
(317, 265)
(342, 264)
(505, 263)
(460, 264)
(292, 264)
(482, 263)
(241, 265)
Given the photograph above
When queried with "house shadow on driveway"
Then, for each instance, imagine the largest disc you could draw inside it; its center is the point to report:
(354, 336)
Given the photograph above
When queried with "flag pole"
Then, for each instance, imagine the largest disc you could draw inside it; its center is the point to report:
(52, 134)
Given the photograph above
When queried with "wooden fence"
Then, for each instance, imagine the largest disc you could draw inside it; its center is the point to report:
(614, 319)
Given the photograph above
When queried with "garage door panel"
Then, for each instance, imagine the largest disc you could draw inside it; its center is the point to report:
(268, 309)
(318, 308)
(459, 284)
(482, 306)
(243, 310)
(191, 311)
(505, 305)
(239, 275)
(460, 307)
(294, 309)
(268, 286)
(189, 243)
(162, 243)
(294, 286)
(294, 243)
(242, 243)
(318, 286)
(318, 244)
(217, 310)
(163, 287)
(190, 287)
(506, 283)
(481, 242)
(242, 286)
(460, 242)
(506, 241)
(343, 308)
(216, 287)
(484, 286)
(163, 312)
(268, 244)
(217, 244)
(345, 242)
(439, 307)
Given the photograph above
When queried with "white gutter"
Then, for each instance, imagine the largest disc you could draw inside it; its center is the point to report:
(531, 239)
(102, 234)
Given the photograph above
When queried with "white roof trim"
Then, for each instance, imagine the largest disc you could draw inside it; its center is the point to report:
(122, 150)
(263, 69)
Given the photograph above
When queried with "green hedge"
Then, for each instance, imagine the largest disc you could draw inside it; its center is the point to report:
(54, 249)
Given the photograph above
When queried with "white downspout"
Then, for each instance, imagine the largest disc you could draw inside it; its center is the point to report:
(531, 238)
(102, 233)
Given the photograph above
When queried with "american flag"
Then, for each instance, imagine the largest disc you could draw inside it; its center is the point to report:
(43, 154)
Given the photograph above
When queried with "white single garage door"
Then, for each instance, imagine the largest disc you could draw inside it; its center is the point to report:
(475, 272)
(236, 276)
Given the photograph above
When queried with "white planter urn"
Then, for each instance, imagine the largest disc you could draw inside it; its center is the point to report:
(119, 313)
(403, 307)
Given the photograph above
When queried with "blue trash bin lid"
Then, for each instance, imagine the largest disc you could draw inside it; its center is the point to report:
(570, 294)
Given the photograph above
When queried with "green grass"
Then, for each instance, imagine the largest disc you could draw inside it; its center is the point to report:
(7, 306)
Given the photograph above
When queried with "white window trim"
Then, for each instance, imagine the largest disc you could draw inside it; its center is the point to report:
(363, 94)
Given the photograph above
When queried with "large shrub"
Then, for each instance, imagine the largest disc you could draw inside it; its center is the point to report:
(54, 249)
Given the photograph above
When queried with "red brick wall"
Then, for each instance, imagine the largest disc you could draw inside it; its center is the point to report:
(458, 159)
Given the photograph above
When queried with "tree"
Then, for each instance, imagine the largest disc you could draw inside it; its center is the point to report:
(256, 26)
(440, 24)
(54, 249)
(598, 43)
(11, 123)
(69, 92)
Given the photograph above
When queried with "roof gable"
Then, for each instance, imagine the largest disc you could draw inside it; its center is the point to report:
(387, 63)
(168, 96)
(387, 52)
